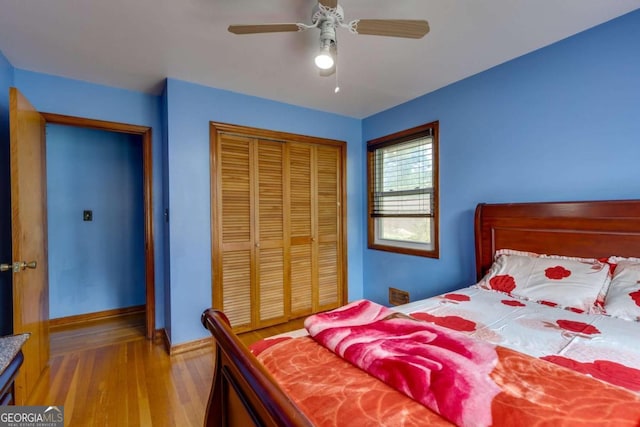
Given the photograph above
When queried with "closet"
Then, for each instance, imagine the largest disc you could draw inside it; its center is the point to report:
(278, 236)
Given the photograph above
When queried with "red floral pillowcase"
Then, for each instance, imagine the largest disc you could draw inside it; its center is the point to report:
(599, 304)
(623, 296)
(573, 283)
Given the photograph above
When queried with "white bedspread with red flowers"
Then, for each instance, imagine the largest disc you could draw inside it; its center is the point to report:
(604, 347)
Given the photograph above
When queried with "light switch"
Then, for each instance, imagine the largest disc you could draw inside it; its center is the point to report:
(87, 215)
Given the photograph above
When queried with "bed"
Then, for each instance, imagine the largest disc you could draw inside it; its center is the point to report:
(557, 359)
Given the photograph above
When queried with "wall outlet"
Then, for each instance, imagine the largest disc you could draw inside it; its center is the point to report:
(398, 296)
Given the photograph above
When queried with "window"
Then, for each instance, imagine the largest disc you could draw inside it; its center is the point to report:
(403, 191)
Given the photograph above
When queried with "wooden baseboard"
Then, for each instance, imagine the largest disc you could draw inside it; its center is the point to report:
(158, 336)
(161, 337)
(190, 346)
(99, 315)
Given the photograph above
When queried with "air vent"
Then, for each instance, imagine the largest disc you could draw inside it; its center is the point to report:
(398, 297)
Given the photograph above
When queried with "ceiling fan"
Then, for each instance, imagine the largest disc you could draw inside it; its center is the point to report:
(327, 16)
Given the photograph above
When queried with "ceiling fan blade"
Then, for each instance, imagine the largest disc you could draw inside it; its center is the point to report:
(329, 3)
(263, 28)
(408, 28)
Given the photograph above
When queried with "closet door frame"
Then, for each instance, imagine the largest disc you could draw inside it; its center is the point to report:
(217, 128)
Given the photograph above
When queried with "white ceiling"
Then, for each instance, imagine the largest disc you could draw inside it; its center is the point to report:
(135, 44)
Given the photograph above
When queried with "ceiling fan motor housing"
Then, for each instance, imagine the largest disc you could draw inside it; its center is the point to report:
(327, 19)
(322, 13)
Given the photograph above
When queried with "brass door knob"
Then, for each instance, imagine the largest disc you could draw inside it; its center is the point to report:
(31, 264)
(18, 266)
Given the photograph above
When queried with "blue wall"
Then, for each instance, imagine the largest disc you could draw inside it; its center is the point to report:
(558, 124)
(6, 81)
(561, 123)
(190, 108)
(94, 265)
(59, 95)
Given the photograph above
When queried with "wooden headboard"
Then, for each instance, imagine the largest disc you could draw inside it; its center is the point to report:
(244, 393)
(583, 229)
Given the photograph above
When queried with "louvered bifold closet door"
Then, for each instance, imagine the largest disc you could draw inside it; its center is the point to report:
(316, 247)
(250, 256)
(270, 233)
(328, 189)
(277, 225)
(233, 240)
(302, 224)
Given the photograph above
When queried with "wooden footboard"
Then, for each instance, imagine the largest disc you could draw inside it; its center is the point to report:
(243, 392)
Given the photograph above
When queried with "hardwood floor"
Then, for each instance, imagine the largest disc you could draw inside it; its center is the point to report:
(96, 333)
(108, 374)
(105, 373)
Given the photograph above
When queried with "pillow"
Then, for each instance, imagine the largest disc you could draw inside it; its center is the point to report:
(568, 282)
(623, 297)
(598, 307)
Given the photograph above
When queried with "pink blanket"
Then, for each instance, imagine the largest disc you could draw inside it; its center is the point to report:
(446, 371)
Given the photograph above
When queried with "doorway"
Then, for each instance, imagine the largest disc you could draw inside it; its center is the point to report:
(141, 134)
(95, 224)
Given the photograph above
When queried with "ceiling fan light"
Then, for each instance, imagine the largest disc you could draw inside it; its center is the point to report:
(324, 60)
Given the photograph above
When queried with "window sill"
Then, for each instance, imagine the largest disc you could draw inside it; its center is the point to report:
(428, 253)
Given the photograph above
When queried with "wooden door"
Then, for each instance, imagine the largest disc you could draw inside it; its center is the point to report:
(316, 237)
(29, 239)
(270, 244)
(278, 249)
(250, 232)
(302, 220)
(328, 225)
(233, 246)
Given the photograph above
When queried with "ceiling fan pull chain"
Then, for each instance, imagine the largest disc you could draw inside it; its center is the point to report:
(337, 89)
